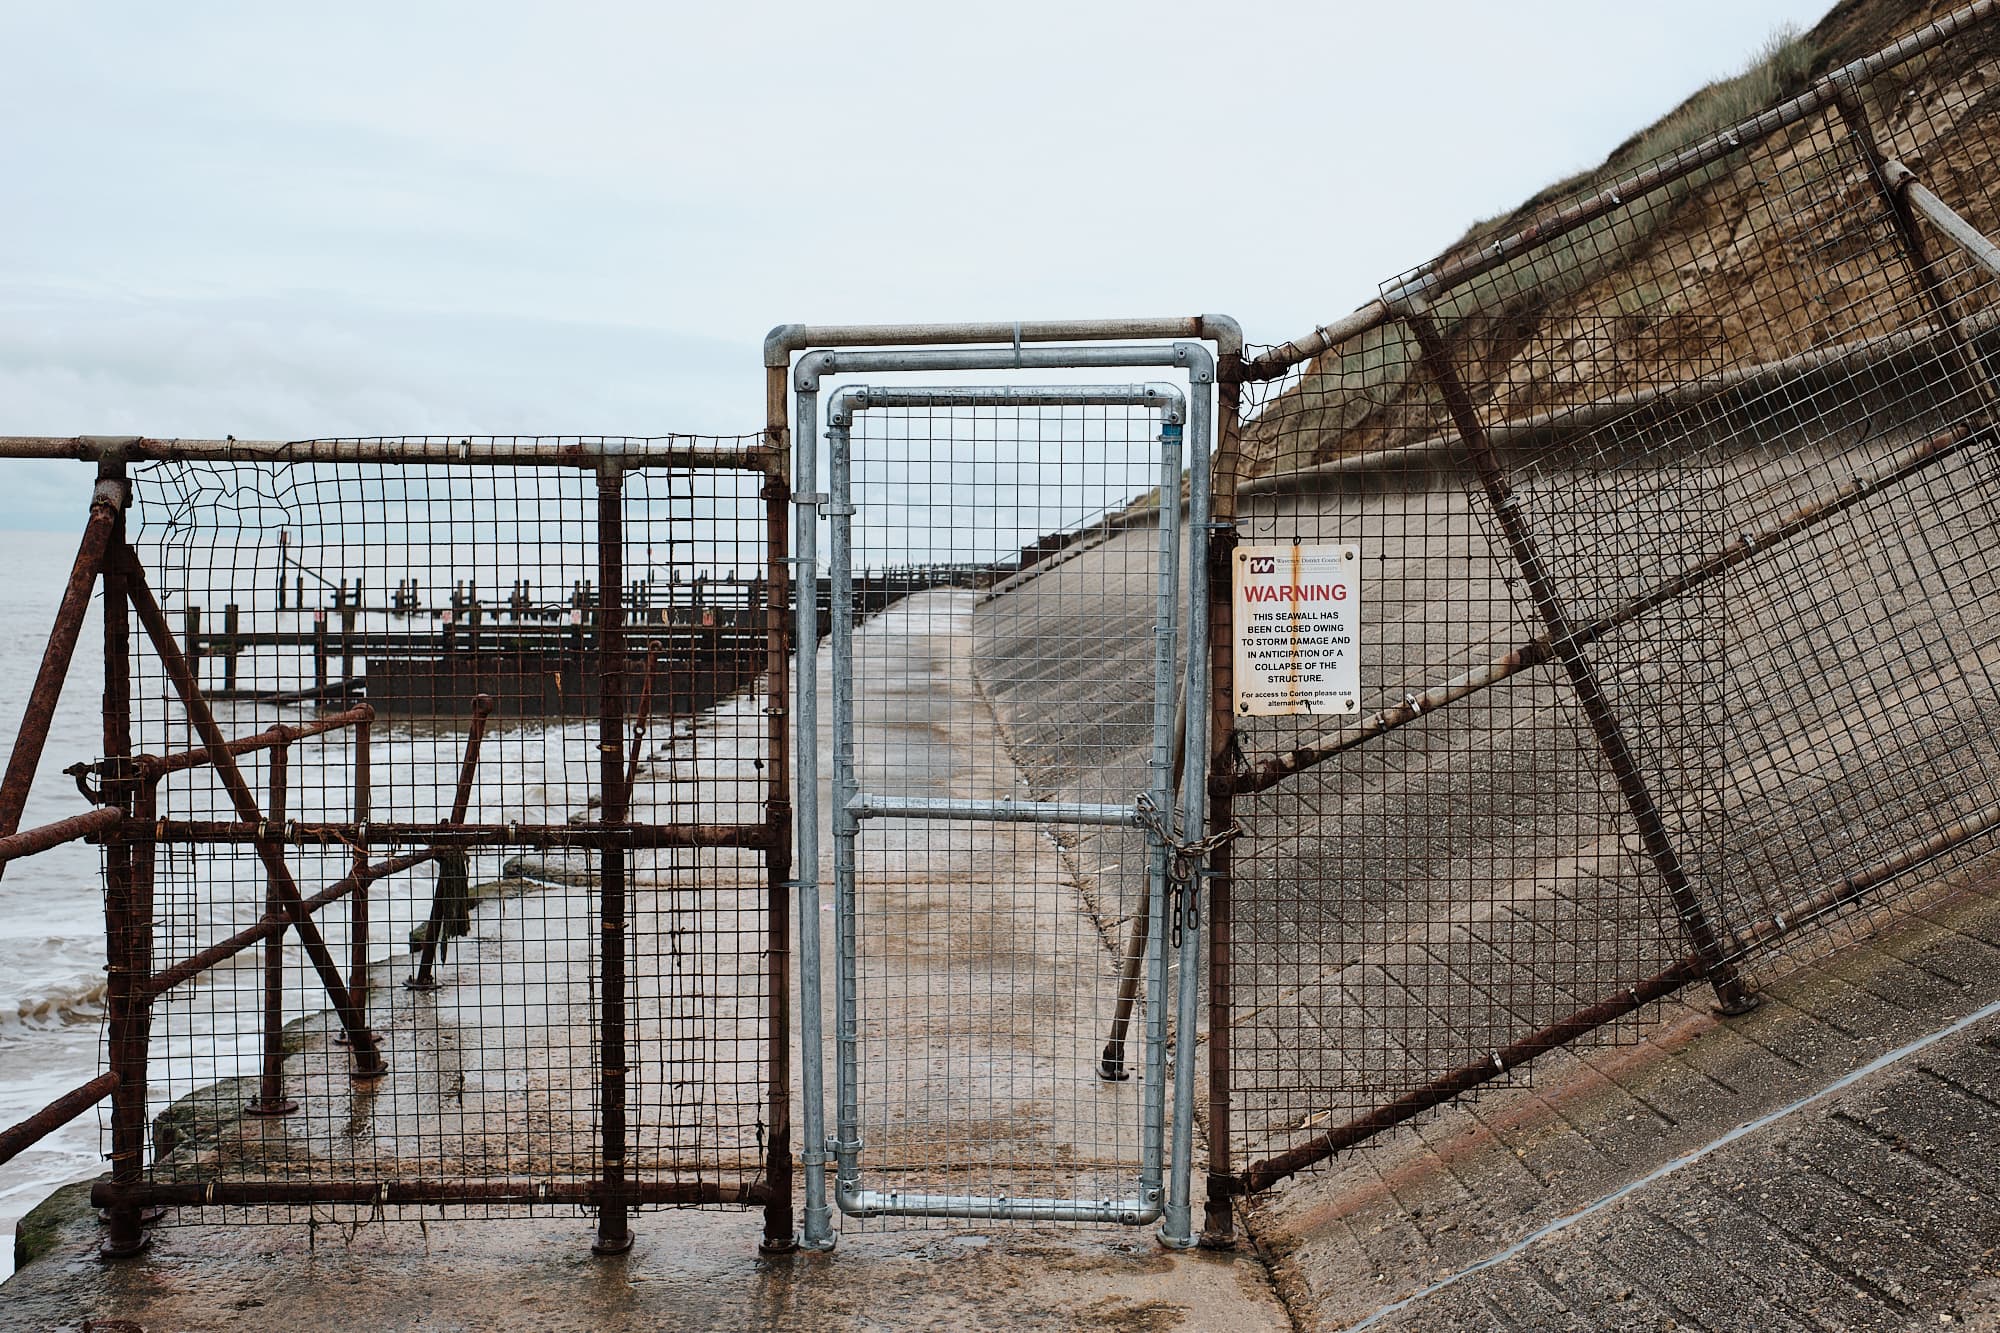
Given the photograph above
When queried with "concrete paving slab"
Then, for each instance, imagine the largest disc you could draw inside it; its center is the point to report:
(1877, 1207)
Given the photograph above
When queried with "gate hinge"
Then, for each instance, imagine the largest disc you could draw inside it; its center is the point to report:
(823, 502)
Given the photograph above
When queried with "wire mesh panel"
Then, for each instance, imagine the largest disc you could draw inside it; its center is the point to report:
(426, 660)
(989, 947)
(1676, 501)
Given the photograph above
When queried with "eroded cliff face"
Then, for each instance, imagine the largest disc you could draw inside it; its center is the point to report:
(1782, 248)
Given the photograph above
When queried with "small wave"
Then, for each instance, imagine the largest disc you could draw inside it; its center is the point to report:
(80, 1001)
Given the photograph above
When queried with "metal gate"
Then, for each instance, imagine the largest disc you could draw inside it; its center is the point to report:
(1010, 885)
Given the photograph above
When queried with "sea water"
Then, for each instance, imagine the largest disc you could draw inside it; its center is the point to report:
(52, 942)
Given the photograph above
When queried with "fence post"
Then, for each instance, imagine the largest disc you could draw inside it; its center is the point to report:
(779, 1237)
(1218, 1226)
(231, 627)
(357, 943)
(319, 655)
(614, 1234)
(1730, 996)
(347, 613)
(127, 905)
(1923, 272)
(270, 1098)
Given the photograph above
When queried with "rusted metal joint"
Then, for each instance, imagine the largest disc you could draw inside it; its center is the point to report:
(78, 772)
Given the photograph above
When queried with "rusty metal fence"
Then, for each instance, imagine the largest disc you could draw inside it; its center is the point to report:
(445, 825)
(1676, 504)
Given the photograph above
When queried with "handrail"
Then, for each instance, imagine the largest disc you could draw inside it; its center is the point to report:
(158, 766)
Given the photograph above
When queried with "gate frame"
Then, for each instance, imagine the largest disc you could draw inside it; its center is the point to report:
(850, 806)
(779, 346)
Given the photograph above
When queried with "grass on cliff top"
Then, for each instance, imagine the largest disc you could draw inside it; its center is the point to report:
(1379, 366)
(1549, 272)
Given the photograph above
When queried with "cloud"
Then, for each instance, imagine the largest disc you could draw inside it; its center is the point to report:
(315, 364)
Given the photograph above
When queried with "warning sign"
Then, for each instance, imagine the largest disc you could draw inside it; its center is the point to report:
(1298, 630)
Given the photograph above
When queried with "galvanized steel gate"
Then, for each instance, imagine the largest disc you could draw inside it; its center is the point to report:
(1007, 889)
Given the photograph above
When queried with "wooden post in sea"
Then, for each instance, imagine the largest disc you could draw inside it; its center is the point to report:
(230, 625)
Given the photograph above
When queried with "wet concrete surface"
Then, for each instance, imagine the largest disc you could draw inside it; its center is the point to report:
(985, 984)
(691, 1270)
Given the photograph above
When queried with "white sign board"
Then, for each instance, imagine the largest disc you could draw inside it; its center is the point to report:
(1298, 630)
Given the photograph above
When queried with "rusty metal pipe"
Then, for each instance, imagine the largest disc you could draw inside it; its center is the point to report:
(1111, 1062)
(270, 1098)
(468, 766)
(1944, 217)
(1852, 888)
(1892, 182)
(357, 929)
(614, 1232)
(398, 833)
(58, 832)
(670, 451)
(128, 898)
(1218, 1230)
(461, 802)
(1271, 1170)
(1604, 725)
(1278, 360)
(779, 1236)
(225, 1193)
(368, 1059)
(275, 926)
(644, 715)
(159, 766)
(19, 1137)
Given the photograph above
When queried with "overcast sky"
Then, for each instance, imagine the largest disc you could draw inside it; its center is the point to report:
(278, 220)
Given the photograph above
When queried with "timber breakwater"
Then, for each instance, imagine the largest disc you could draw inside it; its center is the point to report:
(689, 644)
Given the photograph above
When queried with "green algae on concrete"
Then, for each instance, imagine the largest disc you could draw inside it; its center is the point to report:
(41, 1230)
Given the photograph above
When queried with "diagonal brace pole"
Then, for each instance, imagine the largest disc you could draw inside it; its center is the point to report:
(35, 722)
(1731, 996)
(367, 1056)
(461, 803)
(1900, 194)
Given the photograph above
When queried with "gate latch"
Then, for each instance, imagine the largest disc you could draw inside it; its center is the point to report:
(1186, 855)
(1184, 862)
